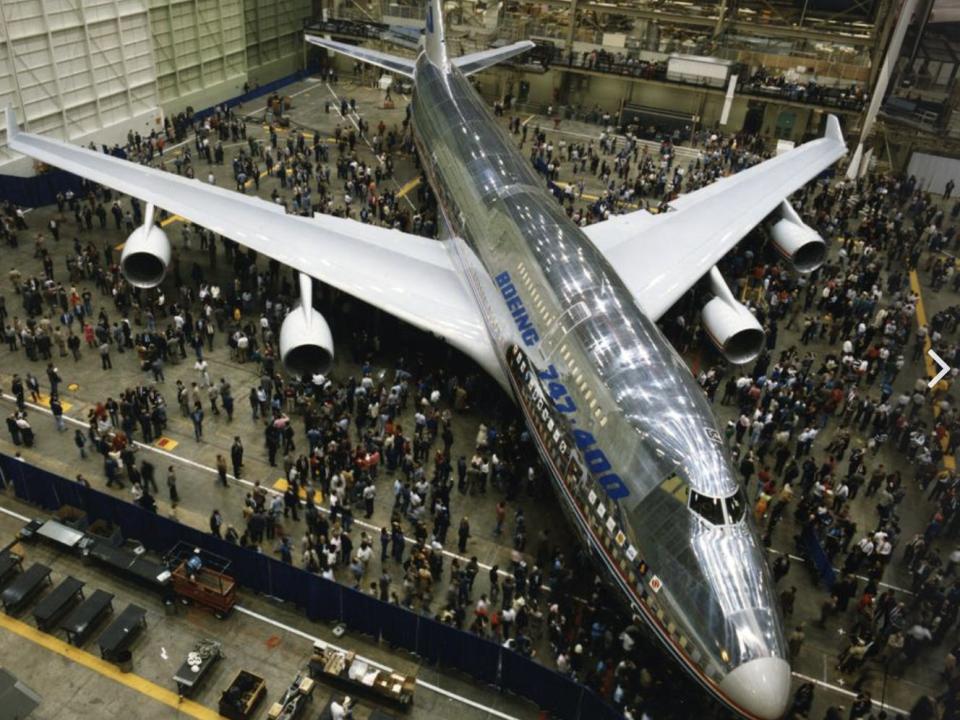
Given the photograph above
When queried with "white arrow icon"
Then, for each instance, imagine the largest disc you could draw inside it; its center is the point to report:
(944, 368)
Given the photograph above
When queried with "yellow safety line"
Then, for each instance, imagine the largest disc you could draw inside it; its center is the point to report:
(921, 321)
(949, 462)
(107, 669)
(410, 186)
(169, 220)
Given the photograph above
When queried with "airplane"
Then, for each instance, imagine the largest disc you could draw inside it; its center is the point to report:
(564, 318)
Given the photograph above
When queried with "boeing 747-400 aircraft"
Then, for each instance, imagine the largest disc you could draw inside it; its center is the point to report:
(564, 317)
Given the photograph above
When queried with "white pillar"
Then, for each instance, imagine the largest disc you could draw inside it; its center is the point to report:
(879, 90)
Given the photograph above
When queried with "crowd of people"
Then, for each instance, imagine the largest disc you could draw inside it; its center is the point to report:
(831, 429)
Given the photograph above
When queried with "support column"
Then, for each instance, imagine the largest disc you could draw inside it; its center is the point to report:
(879, 90)
(573, 28)
(721, 20)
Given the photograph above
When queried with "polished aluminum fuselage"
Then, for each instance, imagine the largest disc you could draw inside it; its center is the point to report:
(581, 356)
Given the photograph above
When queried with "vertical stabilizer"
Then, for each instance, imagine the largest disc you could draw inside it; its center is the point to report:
(435, 42)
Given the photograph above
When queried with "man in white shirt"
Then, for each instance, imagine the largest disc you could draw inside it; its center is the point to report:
(340, 710)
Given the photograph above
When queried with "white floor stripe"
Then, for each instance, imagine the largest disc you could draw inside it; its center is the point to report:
(849, 693)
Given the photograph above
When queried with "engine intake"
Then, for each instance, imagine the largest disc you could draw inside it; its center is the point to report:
(730, 325)
(306, 343)
(796, 241)
(146, 254)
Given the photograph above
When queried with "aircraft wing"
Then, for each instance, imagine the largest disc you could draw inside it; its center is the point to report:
(660, 257)
(411, 277)
(475, 62)
(400, 65)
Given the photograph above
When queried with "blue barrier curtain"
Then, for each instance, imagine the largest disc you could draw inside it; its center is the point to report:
(361, 612)
(323, 598)
(399, 626)
(550, 690)
(430, 638)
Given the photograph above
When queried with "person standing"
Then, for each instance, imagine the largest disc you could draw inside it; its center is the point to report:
(57, 409)
(17, 389)
(53, 374)
(463, 533)
(222, 469)
(216, 521)
(172, 486)
(501, 512)
(369, 493)
(148, 476)
(226, 397)
(795, 642)
(236, 456)
(80, 440)
(105, 362)
(197, 417)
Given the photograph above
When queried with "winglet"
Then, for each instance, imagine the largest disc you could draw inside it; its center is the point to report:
(12, 129)
(833, 129)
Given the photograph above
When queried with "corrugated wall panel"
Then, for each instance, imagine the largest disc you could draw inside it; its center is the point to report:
(64, 65)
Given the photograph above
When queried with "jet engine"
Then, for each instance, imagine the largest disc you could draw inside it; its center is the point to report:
(730, 325)
(306, 344)
(796, 241)
(146, 254)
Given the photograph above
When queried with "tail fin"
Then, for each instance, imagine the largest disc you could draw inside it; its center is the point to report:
(435, 41)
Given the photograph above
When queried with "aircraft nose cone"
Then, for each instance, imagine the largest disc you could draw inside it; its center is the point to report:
(761, 687)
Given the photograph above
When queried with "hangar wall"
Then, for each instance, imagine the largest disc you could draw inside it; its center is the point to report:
(207, 49)
(72, 69)
(94, 69)
(199, 47)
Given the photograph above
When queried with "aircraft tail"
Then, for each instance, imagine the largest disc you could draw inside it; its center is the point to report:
(435, 41)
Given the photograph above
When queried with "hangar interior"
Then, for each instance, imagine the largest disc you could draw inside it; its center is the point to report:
(848, 473)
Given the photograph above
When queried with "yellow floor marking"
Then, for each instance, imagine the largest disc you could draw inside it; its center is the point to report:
(165, 443)
(170, 220)
(410, 186)
(107, 669)
(948, 460)
(921, 321)
(529, 119)
(119, 247)
(73, 387)
(45, 402)
(281, 486)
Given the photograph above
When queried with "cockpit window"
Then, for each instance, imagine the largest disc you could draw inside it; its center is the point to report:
(736, 506)
(709, 508)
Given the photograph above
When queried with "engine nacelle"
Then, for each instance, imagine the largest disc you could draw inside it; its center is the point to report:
(796, 241)
(146, 254)
(306, 343)
(730, 324)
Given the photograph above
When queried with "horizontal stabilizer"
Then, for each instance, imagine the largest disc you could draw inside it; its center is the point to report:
(402, 66)
(475, 62)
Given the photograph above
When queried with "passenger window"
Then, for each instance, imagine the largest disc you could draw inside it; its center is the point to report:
(709, 508)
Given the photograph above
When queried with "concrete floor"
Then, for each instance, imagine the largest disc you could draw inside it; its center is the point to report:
(200, 493)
